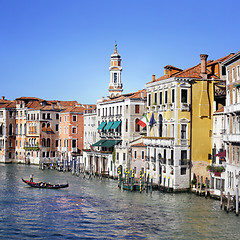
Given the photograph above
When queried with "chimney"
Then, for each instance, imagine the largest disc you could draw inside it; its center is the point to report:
(203, 65)
(153, 78)
(3, 97)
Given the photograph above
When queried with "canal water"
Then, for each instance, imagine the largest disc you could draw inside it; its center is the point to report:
(95, 209)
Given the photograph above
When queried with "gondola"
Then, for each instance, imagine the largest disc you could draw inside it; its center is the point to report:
(45, 185)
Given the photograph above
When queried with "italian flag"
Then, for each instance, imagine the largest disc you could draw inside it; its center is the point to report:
(143, 121)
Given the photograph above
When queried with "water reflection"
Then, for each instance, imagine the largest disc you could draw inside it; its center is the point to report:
(98, 209)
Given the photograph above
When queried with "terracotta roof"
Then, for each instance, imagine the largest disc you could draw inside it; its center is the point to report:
(29, 98)
(161, 78)
(172, 67)
(221, 59)
(134, 95)
(138, 145)
(195, 71)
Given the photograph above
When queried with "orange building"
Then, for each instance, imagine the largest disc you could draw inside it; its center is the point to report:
(71, 131)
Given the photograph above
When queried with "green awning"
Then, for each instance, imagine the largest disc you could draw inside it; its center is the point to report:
(110, 143)
(99, 143)
(101, 126)
(108, 126)
(116, 124)
(238, 85)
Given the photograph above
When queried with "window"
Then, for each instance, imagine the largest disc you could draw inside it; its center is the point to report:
(60, 119)
(126, 125)
(149, 99)
(137, 127)
(233, 74)
(74, 118)
(25, 129)
(136, 108)
(238, 73)
(74, 130)
(43, 142)
(155, 98)
(16, 129)
(172, 130)
(124, 156)
(233, 96)
(43, 116)
(10, 131)
(1, 114)
(115, 77)
(166, 97)
(142, 154)
(160, 97)
(184, 95)
(233, 155)
(74, 143)
(183, 171)
(227, 77)
(57, 116)
(173, 95)
(183, 131)
(65, 118)
(48, 116)
(135, 154)
(57, 126)
(20, 129)
(48, 142)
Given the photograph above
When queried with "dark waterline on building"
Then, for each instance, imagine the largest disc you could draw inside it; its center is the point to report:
(95, 209)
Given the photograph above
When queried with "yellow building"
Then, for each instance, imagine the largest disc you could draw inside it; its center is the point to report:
(179, 137)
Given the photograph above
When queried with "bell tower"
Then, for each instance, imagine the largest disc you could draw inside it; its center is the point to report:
(115, 85)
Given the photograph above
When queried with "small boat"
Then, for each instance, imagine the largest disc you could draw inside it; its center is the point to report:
(45, 185)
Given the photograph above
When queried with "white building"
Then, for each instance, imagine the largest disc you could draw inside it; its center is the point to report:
(232, 135)
(116, 125)
(218, 152)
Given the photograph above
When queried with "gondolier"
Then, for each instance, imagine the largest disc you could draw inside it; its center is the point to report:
(31, 178)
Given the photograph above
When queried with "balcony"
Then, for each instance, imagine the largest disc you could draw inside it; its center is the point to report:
(232, 108)
(158, 141)
(31, 147)
(185, 107)
(231, 138)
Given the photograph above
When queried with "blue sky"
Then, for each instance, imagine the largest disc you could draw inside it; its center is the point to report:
(60, 49)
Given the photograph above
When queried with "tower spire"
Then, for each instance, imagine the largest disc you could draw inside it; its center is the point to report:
(115, 85)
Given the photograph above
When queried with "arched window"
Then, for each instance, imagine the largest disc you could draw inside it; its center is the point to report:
(43, 142)
(160, 125)
(25, 129)
(20, 129)
(44, 127)
(48, 127)
(48, 142)
(16, 129)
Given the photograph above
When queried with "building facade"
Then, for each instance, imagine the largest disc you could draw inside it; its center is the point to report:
(232, 135)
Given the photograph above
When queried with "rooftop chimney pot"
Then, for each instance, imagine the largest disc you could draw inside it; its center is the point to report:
(203, 64)
(153, 78)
